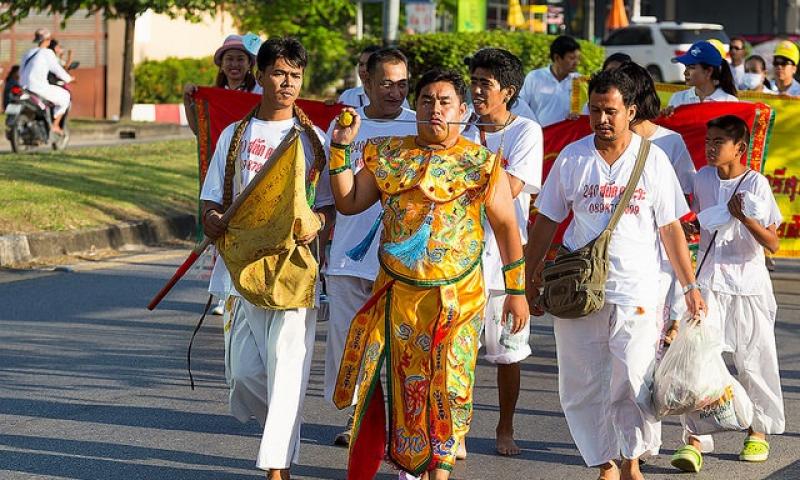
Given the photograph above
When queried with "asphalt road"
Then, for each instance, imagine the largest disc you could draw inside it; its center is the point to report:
(94, 387)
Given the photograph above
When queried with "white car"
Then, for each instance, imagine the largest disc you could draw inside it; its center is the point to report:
(654, 44)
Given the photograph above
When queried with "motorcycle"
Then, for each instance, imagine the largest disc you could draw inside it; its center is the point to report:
(29, 120)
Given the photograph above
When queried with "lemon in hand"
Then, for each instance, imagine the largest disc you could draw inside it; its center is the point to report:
(346, 119)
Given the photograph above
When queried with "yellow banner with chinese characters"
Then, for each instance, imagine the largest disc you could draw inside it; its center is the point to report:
(781, 163)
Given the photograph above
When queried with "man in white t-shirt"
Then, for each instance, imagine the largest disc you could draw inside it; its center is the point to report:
(270, 350)
(736, 49)
(606, 360)
(349, 281)
(495, 80)
(548, 90)
(35, 65)
(358, 96)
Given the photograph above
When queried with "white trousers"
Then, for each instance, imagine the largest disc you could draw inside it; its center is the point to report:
(346, 296)
(748, 326)
(502, 348)
(270, 361)
(60, 97)
(606, 362)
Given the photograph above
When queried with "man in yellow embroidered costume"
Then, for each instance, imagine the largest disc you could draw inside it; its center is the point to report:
(425, 313)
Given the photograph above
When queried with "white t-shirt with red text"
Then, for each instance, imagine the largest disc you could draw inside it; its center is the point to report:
(582, 182)
(350, 230)
(523, 152)
(258, 142)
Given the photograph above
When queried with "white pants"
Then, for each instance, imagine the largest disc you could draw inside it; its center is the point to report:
(270, 361)
(502, 348)
(346, 296)
(58, 96)
(605, 372)
(748, 326)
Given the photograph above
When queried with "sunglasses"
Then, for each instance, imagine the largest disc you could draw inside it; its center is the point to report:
(781, 63)
(736, 48)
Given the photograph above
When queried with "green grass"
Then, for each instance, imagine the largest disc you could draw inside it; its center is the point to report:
(90, 187)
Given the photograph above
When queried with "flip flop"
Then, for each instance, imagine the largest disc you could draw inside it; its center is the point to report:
(687, 459)
(755, 450)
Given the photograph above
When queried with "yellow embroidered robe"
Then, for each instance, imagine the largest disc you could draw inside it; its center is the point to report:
(424, 318)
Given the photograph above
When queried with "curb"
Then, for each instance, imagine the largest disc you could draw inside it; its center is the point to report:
(16, 249)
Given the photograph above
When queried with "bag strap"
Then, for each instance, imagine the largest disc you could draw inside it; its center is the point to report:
(714, 235)
(638, 168)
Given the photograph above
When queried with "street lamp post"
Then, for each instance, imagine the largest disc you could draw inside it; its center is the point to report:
(391, 21)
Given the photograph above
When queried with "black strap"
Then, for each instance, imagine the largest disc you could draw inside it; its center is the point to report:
(714, 235)
(638, 168)
(194, 334)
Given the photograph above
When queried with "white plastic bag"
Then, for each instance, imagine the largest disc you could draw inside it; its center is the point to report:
(734, 411)
(692, 374)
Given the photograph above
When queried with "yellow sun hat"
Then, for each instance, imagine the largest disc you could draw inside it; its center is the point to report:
(787, 49)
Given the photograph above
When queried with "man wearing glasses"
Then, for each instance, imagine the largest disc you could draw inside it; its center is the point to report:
(784, 62)
(737, 53)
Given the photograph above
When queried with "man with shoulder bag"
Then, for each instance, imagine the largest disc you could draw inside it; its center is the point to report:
(602, 288)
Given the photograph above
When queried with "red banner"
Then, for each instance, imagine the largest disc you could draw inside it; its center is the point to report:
(688, 120)
(217, 108)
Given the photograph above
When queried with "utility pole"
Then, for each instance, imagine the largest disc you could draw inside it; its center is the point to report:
(391, 21)
(590, 20)
(359, 31)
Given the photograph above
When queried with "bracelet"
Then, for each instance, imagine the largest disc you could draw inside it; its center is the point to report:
(340, 158)
(514, 277)
(692, 286)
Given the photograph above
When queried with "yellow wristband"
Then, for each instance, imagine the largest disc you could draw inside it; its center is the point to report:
(514, 277)
(340, 158)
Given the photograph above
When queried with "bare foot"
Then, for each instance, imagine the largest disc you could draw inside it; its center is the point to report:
(630, 470)
(505, 444)
(461, 451)
(609, 471)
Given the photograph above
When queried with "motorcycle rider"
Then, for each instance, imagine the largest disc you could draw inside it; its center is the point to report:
(36, 64)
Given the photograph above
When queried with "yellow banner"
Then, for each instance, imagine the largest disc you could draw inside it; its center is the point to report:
(781, 165)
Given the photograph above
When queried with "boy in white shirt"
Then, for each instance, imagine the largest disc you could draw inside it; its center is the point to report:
(606, 359)
(271, 349)
(496, 78)
(736, 283)
(348, 280)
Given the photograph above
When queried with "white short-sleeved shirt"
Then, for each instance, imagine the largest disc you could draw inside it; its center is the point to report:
(36, 64)
(673, 145)
(793, 90)
(548, 98)
(357, 97)
(350, 230)
(582, 182)
(678, 155)
(689, 96)
(735, 267)
(738, 73)
(258, 142)
(523, 152)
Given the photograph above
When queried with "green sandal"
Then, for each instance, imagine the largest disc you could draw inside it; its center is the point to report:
(755, 450)
(687, 459)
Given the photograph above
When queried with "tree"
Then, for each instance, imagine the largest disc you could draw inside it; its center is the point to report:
(323, 26)
(127, 10)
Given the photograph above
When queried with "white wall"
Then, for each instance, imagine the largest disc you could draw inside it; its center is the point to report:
(159, 36)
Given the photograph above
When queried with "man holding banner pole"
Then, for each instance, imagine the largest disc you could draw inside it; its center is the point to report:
(267, 251)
